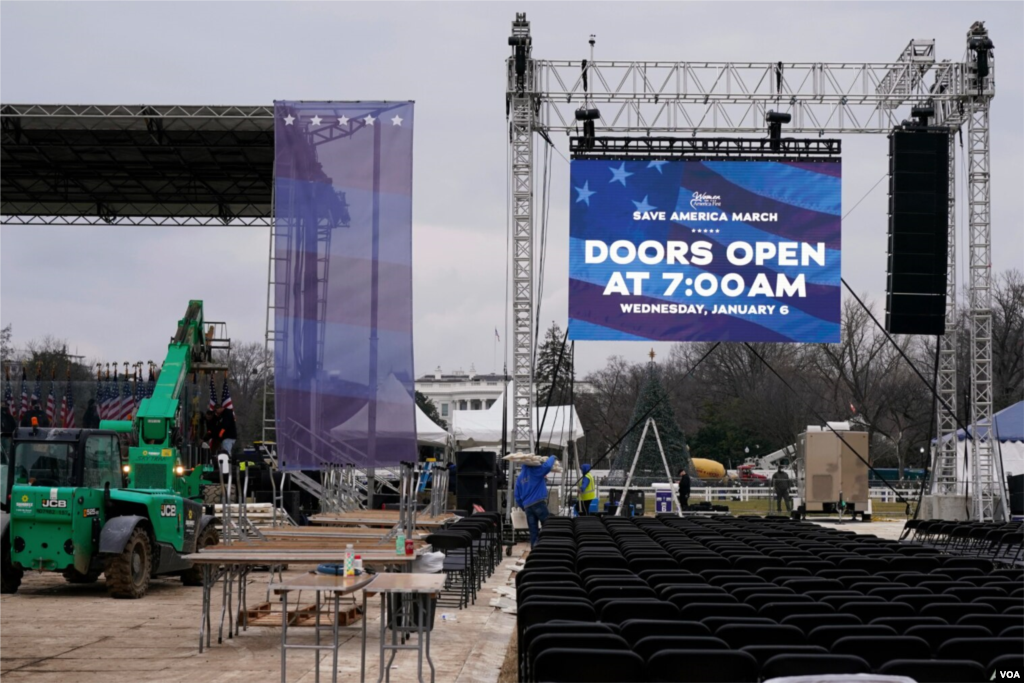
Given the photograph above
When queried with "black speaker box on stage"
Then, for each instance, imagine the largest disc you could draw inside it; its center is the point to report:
(1015, 484)
(478, 489)
(915, 289)
(476, 462)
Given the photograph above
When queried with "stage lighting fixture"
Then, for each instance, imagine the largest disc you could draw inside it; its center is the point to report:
(588, 116)
(775, 120)
(981, 46)
(923, 113)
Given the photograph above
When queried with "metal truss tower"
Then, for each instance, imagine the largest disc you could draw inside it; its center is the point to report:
(651, 98)
(521, 103)
(986, 497)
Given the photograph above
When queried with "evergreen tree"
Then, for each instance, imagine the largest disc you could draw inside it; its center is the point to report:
(429, 408)
(547, 361)
(653, 403)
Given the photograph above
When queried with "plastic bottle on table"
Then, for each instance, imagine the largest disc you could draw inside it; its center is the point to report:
(359, 564)
(400, 544)
(349, 561)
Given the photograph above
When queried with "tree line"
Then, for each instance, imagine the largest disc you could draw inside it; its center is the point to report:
(761, 396)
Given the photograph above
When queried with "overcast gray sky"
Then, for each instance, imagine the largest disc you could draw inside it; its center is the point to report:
(115, 293)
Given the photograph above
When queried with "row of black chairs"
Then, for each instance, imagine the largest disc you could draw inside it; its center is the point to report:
(999, 541)
(755, 598)
(472, 549)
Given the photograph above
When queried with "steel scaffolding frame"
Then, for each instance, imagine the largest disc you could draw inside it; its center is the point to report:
(656, 98)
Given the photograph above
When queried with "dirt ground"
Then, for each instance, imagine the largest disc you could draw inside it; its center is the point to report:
(51, 631)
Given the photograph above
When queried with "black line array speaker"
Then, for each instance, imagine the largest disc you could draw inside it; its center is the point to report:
(1016, 487)
(915, 292)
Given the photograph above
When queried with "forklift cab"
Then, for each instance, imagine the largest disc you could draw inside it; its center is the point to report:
(65, 458)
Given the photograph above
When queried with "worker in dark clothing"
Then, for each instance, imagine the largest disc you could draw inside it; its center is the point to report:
(780, 482)
(35, 412)
(684, 488)
(227, 431)
(7, 422)
(91, 419)
(211, 436)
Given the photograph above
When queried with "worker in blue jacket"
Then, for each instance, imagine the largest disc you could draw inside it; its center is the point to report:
(531, 495)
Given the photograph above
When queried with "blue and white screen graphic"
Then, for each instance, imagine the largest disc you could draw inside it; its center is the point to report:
(745, 251)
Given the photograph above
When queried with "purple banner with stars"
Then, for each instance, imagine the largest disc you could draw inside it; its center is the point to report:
(343, 352)
(705, 251)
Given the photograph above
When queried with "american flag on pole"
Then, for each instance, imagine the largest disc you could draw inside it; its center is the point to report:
(68, 408)
(213, 396)
(24, 395)
(100, 393)
(124, 411)
(8, 393)
(225, 396)
(51, 404)
(497, 337)
(140, 390)
(37, 389)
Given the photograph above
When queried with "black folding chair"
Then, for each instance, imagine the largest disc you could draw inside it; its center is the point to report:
(951, 671)
(786, 665)
(568, 665)
(707, 666)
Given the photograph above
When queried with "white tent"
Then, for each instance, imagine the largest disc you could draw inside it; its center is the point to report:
(481, 428)
(392, 408)
(1008, 447)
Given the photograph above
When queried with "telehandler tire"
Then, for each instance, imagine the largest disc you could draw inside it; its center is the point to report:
(10, 576)
(72, 575)
(128, 574)
(193, 576)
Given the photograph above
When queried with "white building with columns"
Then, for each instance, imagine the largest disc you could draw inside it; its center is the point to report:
(460, 390)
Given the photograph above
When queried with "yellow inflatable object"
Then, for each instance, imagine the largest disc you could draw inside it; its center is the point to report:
(708, 469)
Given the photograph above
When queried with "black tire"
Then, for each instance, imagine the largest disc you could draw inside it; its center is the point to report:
(213, 494)
(128, 573)
(72, 575)
(193, 576)
(10, 576)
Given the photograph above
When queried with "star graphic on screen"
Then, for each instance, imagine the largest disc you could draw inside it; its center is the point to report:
(369, 119)
(620, 174)
(316, 120)
(657, 164)
(585, 193)
(396, 120)
(343, 121)
(642, 205)
(289, 120)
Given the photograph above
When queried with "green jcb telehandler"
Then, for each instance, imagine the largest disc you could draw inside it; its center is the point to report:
(74, 508)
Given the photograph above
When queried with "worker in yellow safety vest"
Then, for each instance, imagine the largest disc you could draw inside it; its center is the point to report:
(588, 492)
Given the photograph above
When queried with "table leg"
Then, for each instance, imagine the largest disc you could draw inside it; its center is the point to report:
(205, 608)
(362, 659)
(225, 591)
(380, 675)
(284, 634)
(337, 610)
(426, 612)
(394, 623)
(420, 623)
(316, 652)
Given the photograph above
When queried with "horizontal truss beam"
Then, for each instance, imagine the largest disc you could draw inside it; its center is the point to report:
(701, 148)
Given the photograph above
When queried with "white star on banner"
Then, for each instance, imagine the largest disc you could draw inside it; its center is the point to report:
(289, 120)
(620, 174)
(657, 164)
(369, 119)
(343, 121)
(585, 193)
(396, 121)
(642, 205)
(316, 120)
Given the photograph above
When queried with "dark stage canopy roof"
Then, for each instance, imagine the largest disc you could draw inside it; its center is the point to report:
(136, 165)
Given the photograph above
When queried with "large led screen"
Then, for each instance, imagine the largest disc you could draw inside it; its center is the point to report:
(745, 251)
